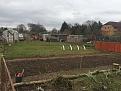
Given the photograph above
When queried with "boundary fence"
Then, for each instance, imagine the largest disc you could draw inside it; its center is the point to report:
(108, 46)
(6, 81)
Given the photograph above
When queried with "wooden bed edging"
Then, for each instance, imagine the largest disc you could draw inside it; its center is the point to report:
(65, 76)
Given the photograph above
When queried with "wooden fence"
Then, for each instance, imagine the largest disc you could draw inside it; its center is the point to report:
(108, 46)
(6, 81)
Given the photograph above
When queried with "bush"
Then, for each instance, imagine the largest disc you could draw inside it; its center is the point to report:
(61, 82)
(100, 87)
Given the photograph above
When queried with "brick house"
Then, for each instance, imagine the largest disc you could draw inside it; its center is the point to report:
(111, 29)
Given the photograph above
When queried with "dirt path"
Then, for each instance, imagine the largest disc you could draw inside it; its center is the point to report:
(66, 56)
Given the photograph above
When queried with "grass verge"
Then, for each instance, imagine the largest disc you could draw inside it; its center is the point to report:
(45, 49)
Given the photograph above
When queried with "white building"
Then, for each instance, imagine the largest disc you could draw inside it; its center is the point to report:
(45, 37)
(75, 38)
(21, 37)
(10, 35)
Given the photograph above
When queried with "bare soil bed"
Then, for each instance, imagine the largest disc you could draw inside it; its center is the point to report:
(50, 65)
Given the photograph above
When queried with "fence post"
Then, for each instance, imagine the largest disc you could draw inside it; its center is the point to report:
(0, 73)
(3, 79)
(6, 81)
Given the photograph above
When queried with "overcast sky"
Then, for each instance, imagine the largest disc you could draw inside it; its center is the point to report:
(52, 13)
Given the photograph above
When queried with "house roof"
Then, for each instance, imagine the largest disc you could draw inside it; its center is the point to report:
(116, 25)
(10, 31)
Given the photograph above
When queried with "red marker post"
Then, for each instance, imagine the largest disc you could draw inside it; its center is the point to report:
(19, 76)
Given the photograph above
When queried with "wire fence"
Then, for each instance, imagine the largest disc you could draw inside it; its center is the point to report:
(6, 81)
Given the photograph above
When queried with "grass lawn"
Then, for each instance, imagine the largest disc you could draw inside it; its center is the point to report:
(28, 49)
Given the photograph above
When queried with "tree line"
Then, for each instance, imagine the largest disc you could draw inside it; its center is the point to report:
(33, 28)
(90, 29)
